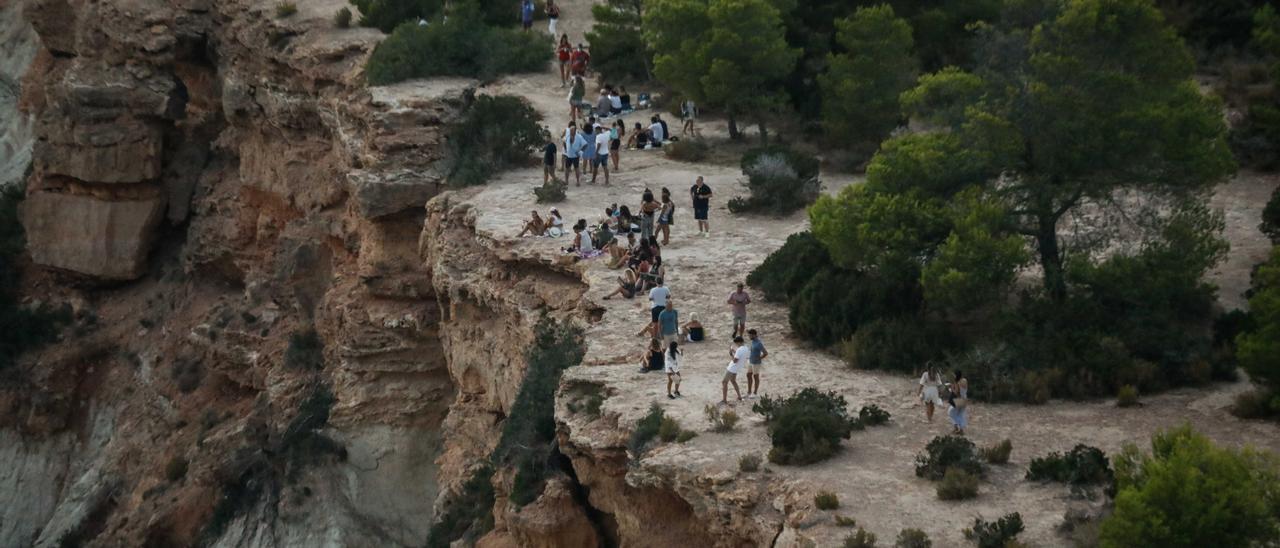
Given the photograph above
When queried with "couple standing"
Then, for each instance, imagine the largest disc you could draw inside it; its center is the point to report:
(931, 386)
(742, 355)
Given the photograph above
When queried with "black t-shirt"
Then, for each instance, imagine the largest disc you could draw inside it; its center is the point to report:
(701, 197)
(549, 153)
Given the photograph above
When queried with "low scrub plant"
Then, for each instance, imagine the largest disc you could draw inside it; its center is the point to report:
(995, 534)
(494, 133)
(386, 15)
(689, 150)
(826, 500)
(1127, 396)
(845, 521)
(342, 18)
(1258, 403)
(873, 415)
(912, 538)
(646, 430)
(957, 484)
(286, 9)
(805, 427)
(998, 453)
(668, 429)
(553, 191)
(860, 539)
(468, 513)
(779, 180)
(1083, 465)
(948, 452)
(686, 435)
(749, 462)
(722, 420)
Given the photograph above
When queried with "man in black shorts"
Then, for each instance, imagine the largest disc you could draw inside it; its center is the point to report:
(549, 159)
(701, 194)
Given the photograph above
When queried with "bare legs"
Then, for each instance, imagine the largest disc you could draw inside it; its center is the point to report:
(753, 383)
(673, 378)
(724, 388)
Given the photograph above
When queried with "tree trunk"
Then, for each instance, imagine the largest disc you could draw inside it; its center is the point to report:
(733, 128)
(764, 134)
(1055, 281)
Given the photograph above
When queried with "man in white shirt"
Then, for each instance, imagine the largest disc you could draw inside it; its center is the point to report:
(657, 303)
(655, 131)
(601, 159)
(573, 145)
(738, 360)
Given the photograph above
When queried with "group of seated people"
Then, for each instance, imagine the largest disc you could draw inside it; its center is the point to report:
(653, 359)
(643, 266)
(650, 137)
(612, 102)
(552, 225)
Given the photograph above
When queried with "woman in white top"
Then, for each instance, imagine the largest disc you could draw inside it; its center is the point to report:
(672, 363)
(930, 382)
(555, 223)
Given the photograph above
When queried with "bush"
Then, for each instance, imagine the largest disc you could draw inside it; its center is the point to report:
(646, 430)
(175, 469)
(1271, 217)
(689, 150)
(998, 453)
(527, 486)
(494, 133)
(553, 191)
(1258, 348)
(460, 46)
(721, 420)
(305, 351)
(668, 429)
(860, 539)
(946, 452)
(913, 538)
(286, 9)
(342, 19)
(467, 513)
(749, 463)
(779, 181)
(897, 344)
(844, 521)
(787, 270)
(386, 15)
(1127, 397)
(826, 500)
(873, 415)
(996, 534)
(1190, 492)
(1083, 465)
(957, 484)
(1256, 404)
(686, 435)
(805, 427)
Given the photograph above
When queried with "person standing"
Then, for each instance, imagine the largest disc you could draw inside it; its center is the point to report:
(673, 369)
(755, 363)
(739, 300)
(669, 323)
(738, 356)
(666, 216)
(553, 16)
(563, 52)
(959, 411)
(573, 145)
(648, 209)
(689, 112)
(589, 151)
(549, 160)
(658, 297)
(526, 14)
(701, 194)
(601, 161)
(930, 383)
(578, 61)
(616, 134)
(576, 93)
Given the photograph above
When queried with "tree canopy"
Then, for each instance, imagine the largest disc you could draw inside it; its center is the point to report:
(861, 87)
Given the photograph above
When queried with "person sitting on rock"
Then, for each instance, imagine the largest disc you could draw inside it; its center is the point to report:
(628, 285)
(653, 359)
(618, 254)
(692, 331)
(535, 226)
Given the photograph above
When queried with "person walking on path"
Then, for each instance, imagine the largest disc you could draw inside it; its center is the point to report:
(573, 145)
(549, 159)
(648, 210)
(689, 113)
(701, 194)
(526, 14)
(576, 93)
(755, 363)
(601, 160)
(579, 60)
(669, 323)
(739, 300)
(616, 134)
(589, 151)
(666, 216)
(959, 411)
(658, 297)
(553, 16)
(563, 52)
(738, 356)
(673, 369)
(930, 383)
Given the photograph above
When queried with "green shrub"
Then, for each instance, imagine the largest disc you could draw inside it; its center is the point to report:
(913, 538)
(749, 462)
(805, 427)
(21, 328)
(342, 19)
(646, 430)
(995, 534)
(175, 469)
(467, 513)
(528, 484)
(305, 351)
(618, 51)
(1190, 492)
(826, 500)
(286, 9)
(860, 539)
(779, 181)
(386, 15)
(553, 191)
(1256, 404)
(668, 429)
(721, 420)
(1083, 465)
(1127, 397)
(688, 150)
(998, 453)
(686, 435)
(787, 270)
(1258, 348)
(463, 45)
(845, 521)
(1271, 217)
(873, 415)
(957, 484)
(898, 344)
(494, 133)
(946, 452)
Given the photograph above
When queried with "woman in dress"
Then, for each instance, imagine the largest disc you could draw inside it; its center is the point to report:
(930, 383)
(615, 141)
(666, 216)
(648, 210)
(673, 369)
(563, 52)
(576, 93)
(959, 411)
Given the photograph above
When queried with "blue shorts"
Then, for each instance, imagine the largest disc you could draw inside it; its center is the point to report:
(700, 213)
(600, 160)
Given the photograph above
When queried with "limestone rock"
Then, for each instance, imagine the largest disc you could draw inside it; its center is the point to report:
(80, 233)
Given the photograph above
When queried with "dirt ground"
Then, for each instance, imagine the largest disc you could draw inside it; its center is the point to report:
(873, 476)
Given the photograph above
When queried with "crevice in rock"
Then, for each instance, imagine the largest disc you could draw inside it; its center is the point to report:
(603, 523)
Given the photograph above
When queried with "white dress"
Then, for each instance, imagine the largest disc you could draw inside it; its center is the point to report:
(672, 363)
(929, 393)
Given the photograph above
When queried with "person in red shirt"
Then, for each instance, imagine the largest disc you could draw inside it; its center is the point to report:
(579, 61)
(563, 52)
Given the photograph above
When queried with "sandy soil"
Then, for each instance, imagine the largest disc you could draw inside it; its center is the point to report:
(873, 476)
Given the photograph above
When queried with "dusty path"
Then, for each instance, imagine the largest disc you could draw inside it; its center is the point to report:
(873, 475)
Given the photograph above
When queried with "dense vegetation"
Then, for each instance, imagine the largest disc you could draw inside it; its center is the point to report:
(461, 45)
(1083, 465)
(779, 180)
(21, 328)
(494, 133)
(618, 51)
(805, 427)
(1060, 117)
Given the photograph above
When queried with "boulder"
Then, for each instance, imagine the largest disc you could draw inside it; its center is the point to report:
(101, 238)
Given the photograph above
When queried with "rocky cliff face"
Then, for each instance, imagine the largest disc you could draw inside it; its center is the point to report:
(18, 46)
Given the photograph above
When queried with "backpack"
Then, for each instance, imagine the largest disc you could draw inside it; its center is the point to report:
(553, 12)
